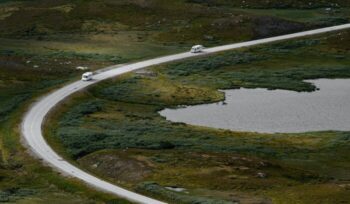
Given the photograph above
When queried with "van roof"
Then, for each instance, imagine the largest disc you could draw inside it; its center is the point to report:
(87, 73)
(197, 46)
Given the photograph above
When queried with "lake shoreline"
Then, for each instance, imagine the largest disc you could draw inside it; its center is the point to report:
(273, 111)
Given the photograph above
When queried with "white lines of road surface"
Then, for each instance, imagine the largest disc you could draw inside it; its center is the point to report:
(32, 123)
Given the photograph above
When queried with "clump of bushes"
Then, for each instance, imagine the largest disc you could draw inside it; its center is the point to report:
(211, 63)
(73, 117)
(10, 104)
(290, 45)
(330, 21)
(13, 194)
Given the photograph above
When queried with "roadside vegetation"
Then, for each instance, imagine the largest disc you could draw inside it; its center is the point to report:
(45, 44)
(24, 179)
(114, 130)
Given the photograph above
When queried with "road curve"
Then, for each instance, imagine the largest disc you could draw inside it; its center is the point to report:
(32, 123)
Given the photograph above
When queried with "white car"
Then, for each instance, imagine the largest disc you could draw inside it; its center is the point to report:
(87, 76)
(197, 49)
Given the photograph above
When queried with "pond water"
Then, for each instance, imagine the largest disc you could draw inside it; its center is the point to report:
(272, 111)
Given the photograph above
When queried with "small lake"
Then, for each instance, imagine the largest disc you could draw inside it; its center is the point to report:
(272, 111)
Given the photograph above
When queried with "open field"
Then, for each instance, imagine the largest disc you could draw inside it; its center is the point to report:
(114, 129)
(42, 43)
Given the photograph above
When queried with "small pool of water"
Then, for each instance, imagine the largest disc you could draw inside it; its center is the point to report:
(272, 111)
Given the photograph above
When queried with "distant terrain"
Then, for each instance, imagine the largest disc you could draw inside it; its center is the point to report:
(47, 43)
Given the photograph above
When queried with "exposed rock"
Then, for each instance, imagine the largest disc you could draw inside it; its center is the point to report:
(118, 167)
(261, 175)
(81, 68)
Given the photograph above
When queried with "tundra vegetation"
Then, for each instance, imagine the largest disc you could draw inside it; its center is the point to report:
(114, 130)
(42, 42)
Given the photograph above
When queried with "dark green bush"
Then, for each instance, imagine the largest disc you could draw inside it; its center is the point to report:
(211, 63)
(73, 117)
(13, 194)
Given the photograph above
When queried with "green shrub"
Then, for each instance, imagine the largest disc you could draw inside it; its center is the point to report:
(209, 64)
(13, 194)
(73, 116)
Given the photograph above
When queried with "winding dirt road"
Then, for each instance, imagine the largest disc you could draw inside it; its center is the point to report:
(33, 120)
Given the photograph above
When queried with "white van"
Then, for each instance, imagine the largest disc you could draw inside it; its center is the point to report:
(87, 76)
(197, 49)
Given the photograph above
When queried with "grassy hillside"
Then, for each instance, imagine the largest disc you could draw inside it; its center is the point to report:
(132, 29)
(114, 129)
(121, 31)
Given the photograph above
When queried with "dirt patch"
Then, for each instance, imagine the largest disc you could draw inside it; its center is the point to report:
(66, 8)
(7, 11)
(116, 166)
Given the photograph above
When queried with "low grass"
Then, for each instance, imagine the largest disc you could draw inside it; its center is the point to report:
(120, 116)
